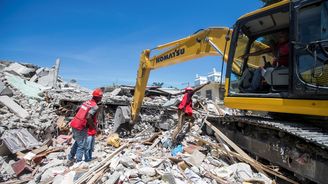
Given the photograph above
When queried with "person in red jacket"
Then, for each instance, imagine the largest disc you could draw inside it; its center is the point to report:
(92, 132)
(85, 118)
(185, 108)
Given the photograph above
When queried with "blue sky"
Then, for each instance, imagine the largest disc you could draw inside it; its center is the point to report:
(99, 42)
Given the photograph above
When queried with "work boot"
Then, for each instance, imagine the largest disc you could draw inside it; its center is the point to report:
(69, 163)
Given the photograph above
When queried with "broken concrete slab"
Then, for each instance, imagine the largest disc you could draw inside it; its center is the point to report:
(115, 92)
(7, 168)
(37, 74)
(196, 158)
(2, 67)
(56, 72)
(29, 89)
(52, 172)
(113, 178)
(127, 162)
(171, 102)
(18, 69)
(3, 149)
(47, 80)
(148, 171)
(19, 140)
(14, 107)
(4, 90)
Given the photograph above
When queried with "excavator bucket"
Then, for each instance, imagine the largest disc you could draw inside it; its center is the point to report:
(122, 120)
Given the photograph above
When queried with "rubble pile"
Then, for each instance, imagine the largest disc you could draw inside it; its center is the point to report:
(23, 105)
(145, 157)
(36, 106)
(28, 115)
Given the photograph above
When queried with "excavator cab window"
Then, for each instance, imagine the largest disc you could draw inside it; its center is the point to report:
(312, 48)
(257, 48)
(237, 76)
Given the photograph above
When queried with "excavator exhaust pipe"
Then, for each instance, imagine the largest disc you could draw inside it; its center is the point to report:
(122, 120)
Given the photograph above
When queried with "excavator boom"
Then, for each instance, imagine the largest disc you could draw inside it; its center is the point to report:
(207, 42)
(191, 47)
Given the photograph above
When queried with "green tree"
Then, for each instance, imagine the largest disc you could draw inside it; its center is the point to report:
(158, 84)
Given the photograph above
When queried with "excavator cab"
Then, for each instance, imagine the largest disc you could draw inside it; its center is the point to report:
(302, 82)
(305, 71)
(263, 38)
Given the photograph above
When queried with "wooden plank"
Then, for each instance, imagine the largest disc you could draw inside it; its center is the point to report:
(152, 138)
(228, 141)
(249, 161)
(96, 177)
(216, 178)
(103, 164)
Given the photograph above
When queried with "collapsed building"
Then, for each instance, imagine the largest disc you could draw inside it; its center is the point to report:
(37, 105)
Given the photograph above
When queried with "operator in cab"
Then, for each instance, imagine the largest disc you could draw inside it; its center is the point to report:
(185, 109)
(281, 53)
(84, 122)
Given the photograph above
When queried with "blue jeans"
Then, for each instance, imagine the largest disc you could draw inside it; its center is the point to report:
(90, 144)
(256, 81)
(79, 146)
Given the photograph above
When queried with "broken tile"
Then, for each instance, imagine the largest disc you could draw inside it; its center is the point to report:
(21, 166)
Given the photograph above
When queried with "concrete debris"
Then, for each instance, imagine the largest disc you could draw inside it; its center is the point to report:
(113, 178)
(19, 69)
(238, 172)
(2, 67)
(6, 169)
(34, 126)
(19, 140)
(115, 92)
(171, 102)
(196, 158)
(5, 91)
(14, 107)
(148, 171)
(127, 162)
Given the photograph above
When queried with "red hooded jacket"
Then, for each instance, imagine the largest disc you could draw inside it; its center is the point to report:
(186, 103)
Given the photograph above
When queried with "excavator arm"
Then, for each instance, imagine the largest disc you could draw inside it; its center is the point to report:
(206, 42)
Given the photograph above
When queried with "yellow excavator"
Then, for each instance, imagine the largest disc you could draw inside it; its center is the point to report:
(287, 116)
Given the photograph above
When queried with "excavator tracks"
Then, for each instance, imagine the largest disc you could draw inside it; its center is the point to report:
(306, 132)
(297, 147)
